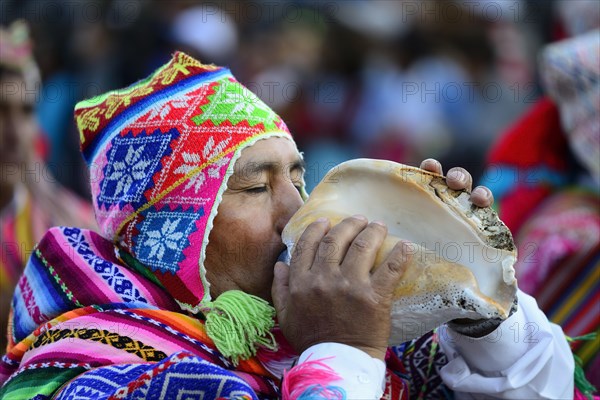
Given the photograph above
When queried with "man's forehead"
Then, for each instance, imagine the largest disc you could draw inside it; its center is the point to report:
(257, 166)
(271, 155)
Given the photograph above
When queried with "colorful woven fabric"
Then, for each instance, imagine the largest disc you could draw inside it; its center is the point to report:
(51, 284)
(160, 152)
(120, 323)
(23, 223)
(560, 264)
(182, 374)
(421, 360)
(64, 326)
(95, 341)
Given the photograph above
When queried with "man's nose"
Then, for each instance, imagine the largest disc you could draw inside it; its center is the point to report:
(290, 202)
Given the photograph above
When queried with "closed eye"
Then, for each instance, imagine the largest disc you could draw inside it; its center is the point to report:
(256, 190)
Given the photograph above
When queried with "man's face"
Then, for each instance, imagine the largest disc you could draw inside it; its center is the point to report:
(261, 196)
(18, 126)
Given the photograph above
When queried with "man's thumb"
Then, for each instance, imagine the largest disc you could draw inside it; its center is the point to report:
(280, 289)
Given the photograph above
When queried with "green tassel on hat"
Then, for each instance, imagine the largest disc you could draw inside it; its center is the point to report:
(238, 323)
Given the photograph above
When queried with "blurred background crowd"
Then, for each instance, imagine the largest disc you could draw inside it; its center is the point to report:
(460, 81)
(394, 79)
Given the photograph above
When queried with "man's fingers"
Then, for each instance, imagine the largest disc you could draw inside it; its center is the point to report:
(280, 289)
(432, 165)
(305, 250)
(361, 254)
(459, 178)
(387, 276)
(481, 196)
(335, 244)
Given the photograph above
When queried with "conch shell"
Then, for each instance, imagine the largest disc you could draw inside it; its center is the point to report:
(461, 256)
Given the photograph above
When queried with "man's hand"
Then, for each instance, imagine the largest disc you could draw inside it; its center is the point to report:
(459, 178)
(331, 292)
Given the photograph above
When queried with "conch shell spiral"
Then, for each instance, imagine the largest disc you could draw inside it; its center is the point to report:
(461, 256)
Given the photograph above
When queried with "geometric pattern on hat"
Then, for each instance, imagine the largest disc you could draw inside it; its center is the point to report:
(131, 163)
(163, 236)
(160, 153)
(228, 103)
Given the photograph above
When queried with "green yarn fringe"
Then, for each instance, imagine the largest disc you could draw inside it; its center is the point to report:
(581, 382)
(238, 323)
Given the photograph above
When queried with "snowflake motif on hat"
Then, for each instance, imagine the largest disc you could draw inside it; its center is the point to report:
(132, 168)
(192, 161)
(132, 161)
(166, 237)
(163, 111)
(163, 237)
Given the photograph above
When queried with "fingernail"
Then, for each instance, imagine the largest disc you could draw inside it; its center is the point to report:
(379, 223)
(322, 220)
(457, 175)
(360, 217)
(479, 191)
(434, 162)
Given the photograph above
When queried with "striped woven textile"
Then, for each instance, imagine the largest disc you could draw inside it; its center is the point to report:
(79, 308)
(89, 322)
(34, 209)
(419, 362)
(52, 282)
(560, 265)
(90, 342)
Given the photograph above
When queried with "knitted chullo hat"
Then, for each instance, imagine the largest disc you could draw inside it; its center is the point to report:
(160, 153)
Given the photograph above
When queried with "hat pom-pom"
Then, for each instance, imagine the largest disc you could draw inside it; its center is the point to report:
(238, 323)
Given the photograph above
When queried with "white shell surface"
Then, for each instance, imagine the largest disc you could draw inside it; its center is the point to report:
(461, 257)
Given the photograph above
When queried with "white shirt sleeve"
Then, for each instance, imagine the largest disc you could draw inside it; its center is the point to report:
(525, 357)
(361, 376)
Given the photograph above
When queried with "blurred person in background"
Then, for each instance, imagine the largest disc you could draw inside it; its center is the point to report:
(545, 172)
(31, 201)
